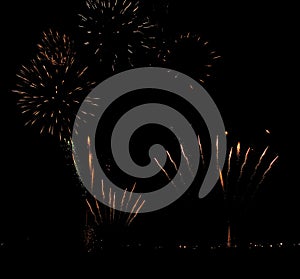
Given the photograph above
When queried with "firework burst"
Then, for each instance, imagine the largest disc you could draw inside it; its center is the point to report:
(111, 214)
(191, 54)
(116, 32)
(100, 219)
(243, 174)
(102, 215)
(52, 85)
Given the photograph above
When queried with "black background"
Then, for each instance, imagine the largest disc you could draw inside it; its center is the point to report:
(255, 89)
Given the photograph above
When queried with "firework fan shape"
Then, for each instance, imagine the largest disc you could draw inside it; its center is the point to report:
(245, 172)
(52, 85)
(116, 32)
(110, 215)
(100, 219)
(189, 53)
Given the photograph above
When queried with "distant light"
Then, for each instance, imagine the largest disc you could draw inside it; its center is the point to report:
(267, 131)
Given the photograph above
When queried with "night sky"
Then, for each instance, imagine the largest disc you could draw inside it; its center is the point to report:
(253, 86)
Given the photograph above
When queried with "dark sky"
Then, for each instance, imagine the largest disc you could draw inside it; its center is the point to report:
(255, 89)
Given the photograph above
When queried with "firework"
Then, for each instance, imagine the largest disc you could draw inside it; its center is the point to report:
(102, 215)
(116, 32)
(244, 173)
(191, 54)
(101, 219)
(245, 176)
(110, 214)
(52, 85)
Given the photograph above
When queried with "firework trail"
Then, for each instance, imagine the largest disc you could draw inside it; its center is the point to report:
(238, 151)
(217, 152)
(123, 198)
(91, 165)
(186, 159)
(130, 195)
(189, 53)
(228, 243)
(110, 205)
(175, 166)
(98, 211)
(259, 163)
(222, 180)
(102, 189)
(138, 210)
(201, 150)
(243, 165)
(228, 167)
(52, 85)
(267, 170)
(164, 171)
(132, 210)
(92, 211)
(116, 32)
(172, 161)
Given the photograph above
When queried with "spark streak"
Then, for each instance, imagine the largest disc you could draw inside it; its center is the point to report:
(172, 161)
(201, 150)
(92, 211)
(186, 159)
(221, 180)
(228, 167)
(267, 170)
(238, 151)
(243, 165)
(259, 163)
(165, 172)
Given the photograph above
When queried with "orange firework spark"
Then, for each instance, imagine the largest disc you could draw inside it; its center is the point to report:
(217, 151)
(92, 211)
(165, 172)
(268, 169)
(238, 151)
(228, 166)
(186, 159)
(201, 150)
(172, 161)
(175, 166)
(244, 164)
(91, 165)
(259, 163)
(221, 180)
